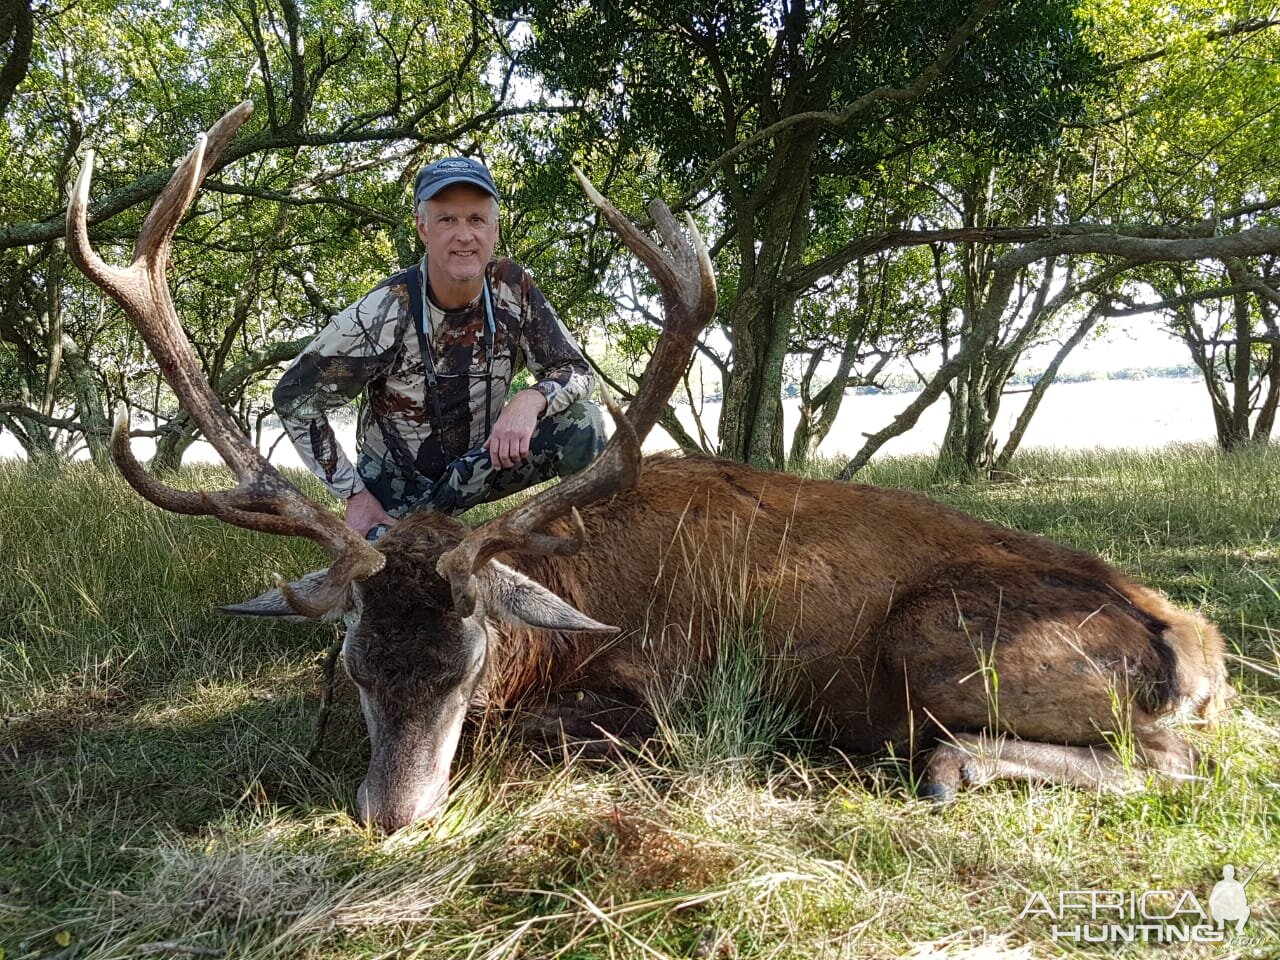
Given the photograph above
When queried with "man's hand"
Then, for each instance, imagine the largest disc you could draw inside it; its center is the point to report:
(508, 442)
(364, 512)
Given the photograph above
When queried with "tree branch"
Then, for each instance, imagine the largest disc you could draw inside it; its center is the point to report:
(1198, 296)
(146, 187)
(1246, 243)
(16, 26)
(294, 200)
(816, 270)
(1233, 30)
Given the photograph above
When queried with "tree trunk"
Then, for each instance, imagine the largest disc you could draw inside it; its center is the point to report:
(684, 440)
(747, 329)
(91, 412)
(1242, 370)
(1266, 421)
(179, 434)
(751, 418)
(759, 317)
(908, 417)
(1042, 387)
(969, 446)
(818, 411)
(32, 436)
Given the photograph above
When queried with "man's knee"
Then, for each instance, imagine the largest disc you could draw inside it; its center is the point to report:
(576, 434)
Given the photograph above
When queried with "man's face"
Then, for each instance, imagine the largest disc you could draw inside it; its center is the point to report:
(459, 230)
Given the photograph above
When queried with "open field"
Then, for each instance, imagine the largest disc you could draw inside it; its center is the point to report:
(155, 798)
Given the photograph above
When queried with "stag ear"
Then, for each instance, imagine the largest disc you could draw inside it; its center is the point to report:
(303, 599)
(511, 596)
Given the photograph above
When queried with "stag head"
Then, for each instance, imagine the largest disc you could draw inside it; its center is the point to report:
(422, 607)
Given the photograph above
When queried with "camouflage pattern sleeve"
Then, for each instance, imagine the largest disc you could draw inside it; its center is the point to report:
(563, 375)
(357, 346)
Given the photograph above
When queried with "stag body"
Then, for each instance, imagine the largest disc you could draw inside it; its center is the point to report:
(886, 617)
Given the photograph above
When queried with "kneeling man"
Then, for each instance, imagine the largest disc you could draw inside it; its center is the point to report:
(436, 347)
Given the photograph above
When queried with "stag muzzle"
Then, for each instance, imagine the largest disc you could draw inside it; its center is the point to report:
(390, 810)
(408, 778)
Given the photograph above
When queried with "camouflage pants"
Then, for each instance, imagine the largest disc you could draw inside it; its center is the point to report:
(562, 444)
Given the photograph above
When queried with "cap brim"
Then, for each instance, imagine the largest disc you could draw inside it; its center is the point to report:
(426, 193)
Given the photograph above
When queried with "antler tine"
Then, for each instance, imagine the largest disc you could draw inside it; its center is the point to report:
(676, 242)
(689, 297)
(262, 500)
(648, 252)
(166, 213)
(109, 278)
(165, 497)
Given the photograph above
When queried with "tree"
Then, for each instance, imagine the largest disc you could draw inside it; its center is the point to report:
(1227, 318)
(1199, 122)
(774, 118)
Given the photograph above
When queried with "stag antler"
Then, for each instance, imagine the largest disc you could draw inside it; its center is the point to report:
(688, 288)
(262, 500)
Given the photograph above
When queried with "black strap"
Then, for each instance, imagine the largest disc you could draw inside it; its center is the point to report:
(417, 310)
(418, 313)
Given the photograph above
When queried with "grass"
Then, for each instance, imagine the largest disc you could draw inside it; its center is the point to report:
(155, 801)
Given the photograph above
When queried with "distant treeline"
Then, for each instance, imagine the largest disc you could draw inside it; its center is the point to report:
(903, 383)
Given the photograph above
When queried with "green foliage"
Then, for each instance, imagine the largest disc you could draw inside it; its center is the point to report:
(663, 73)
(768, 122)
(1190, 132)
(774, 122)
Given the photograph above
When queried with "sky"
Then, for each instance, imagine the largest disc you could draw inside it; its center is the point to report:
(1128, 342)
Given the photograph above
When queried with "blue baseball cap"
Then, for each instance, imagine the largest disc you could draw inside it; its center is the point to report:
(434, 177)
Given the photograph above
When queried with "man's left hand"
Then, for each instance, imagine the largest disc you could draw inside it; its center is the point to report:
(508, 442)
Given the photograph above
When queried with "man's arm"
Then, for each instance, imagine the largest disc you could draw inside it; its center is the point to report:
(563, 377)
(356, 346)
(551, 354)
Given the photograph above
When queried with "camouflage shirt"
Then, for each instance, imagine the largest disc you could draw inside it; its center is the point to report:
(373, 344)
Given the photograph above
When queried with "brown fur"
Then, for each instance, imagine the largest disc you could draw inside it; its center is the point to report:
(882, 611)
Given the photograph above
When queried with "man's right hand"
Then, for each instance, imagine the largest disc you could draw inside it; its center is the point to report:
(364, 512)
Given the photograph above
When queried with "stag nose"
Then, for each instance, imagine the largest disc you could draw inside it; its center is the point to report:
(390, 814)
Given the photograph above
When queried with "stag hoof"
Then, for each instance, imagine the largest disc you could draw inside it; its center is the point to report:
(938, 794)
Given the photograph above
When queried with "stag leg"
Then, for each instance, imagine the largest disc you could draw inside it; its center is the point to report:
(973, 759)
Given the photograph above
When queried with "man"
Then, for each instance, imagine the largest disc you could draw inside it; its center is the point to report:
(436, 348)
